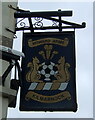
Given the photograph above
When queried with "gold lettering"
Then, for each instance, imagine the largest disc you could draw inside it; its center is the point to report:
(48, 99)
(57, 41)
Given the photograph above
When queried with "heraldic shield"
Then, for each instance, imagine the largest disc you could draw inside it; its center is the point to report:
(48, 72)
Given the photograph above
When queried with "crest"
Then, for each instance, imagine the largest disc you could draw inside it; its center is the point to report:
(49, 71)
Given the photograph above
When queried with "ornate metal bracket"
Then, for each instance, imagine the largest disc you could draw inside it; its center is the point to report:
(39, 17)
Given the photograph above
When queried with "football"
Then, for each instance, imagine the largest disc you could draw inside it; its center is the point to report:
(48, 70)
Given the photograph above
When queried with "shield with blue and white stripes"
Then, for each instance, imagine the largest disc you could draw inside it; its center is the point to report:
(48, 72)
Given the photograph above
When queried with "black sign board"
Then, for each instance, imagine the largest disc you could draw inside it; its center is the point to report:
(48, 72)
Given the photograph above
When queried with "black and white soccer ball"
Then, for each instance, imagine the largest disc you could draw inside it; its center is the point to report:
(48, 70)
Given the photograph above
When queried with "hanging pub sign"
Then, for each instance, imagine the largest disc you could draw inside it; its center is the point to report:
(48, 72)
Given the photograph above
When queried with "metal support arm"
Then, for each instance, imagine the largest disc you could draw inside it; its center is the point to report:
(42, 14)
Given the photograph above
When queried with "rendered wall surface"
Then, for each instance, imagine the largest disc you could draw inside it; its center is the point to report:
(6, 39)
(7, 21)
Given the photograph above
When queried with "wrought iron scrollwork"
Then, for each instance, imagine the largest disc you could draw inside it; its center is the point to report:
(20, 21)
(22, 24)
(54, 23)
(38, 22)
(40, 18)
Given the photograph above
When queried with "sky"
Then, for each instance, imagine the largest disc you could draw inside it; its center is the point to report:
(82, 12)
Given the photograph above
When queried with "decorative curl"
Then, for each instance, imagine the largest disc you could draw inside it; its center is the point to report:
(38, 22)
(19, 22)
(23, 24)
